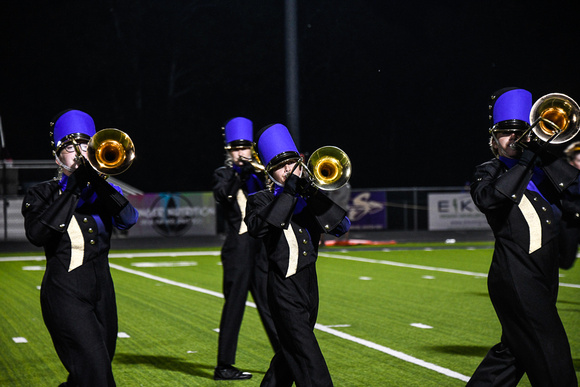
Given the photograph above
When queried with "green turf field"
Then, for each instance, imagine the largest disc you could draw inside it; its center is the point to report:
(401, 316)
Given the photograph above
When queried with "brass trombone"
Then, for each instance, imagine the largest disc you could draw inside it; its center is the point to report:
(110, 151)
(329, 168)
(555, 119)
(255, 161)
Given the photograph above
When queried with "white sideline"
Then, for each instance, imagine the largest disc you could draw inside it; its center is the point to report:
(327, 255)
(409, 265)
(420, 267)
(366, 343)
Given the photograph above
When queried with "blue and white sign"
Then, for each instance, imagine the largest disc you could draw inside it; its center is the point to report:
(454, 211)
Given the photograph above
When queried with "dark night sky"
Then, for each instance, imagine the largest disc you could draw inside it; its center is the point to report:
(402, 87)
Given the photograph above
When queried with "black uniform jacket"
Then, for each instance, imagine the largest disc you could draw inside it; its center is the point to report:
(571, 204)
(70, 233)
(291, 239)
(230, 193)
(516, 213)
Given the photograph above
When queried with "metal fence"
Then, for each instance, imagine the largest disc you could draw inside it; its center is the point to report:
(16, 178)
(406, 208)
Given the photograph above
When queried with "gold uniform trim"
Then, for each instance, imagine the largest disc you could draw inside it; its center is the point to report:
(534, 223)
(241, 198)
(292, 251)
(77, 244)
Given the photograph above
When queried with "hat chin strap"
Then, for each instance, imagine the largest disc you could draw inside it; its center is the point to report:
(275, 181)
(62, 165)
(500, 151)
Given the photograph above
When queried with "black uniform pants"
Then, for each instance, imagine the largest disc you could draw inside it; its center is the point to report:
(533, 337)
(294, 306)
(80, 313)
(245, 269)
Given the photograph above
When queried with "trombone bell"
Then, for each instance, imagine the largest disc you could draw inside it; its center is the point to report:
(330, 168)
(557, 116)
(111, 151)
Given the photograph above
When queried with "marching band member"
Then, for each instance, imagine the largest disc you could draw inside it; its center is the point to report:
(243, 257)
(73, 221)
(519, 192)
(570, 225)
(290, 219)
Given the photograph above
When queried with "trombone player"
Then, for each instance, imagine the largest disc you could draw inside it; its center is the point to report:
(570, 225)
(243, 257)
(290, 219)
(72, 217)
(520, 192)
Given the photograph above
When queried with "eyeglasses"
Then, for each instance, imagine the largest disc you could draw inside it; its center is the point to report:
(284, 163)
(70, 148)
(518, 132)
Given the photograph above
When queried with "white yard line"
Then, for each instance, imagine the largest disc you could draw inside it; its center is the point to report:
(165, 254)
(122, 255)
(166, 281)
(366, 343)
(23, 258)
(409, 265)
(392, 352)
(327, 329)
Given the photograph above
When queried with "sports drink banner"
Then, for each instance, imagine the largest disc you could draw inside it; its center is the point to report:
(454, 211)
(367, 210)
(174, 214)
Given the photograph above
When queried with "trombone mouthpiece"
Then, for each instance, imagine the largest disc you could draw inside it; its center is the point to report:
(258, 167)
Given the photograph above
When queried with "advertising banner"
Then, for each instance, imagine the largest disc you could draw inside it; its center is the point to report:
(13, 229)
(454, 211)
(367, 210)
(174, 214)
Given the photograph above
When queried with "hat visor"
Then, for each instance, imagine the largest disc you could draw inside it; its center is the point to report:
(281, 159)
(510, 125)
(238, 144)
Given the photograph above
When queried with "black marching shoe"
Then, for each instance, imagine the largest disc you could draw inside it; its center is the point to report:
(230, 373)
